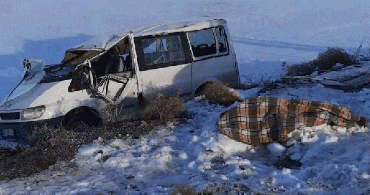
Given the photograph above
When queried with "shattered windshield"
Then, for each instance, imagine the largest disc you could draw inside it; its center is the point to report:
(58, 72)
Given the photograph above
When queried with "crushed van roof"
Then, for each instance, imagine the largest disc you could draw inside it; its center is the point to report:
(106, 41)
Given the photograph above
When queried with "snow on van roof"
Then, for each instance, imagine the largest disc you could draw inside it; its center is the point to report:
(105, 41)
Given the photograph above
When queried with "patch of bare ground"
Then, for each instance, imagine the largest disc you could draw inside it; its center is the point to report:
(325, 61)
(300, 74)
(49, 145)
(218, 93)
(215, 188)
(184, 190)
(164, 109)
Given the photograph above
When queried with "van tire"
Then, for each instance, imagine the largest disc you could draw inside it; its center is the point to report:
(82, 116)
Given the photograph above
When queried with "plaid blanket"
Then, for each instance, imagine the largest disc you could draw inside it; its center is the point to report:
(263, 120)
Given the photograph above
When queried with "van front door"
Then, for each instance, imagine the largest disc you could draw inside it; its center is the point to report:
(119, 82)
(109, 76)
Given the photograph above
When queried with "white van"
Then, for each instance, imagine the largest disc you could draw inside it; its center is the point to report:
(122, 69)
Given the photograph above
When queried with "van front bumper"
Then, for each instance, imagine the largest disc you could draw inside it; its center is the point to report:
(21, 130)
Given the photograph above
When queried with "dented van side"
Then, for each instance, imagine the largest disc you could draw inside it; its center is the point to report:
(124, 70)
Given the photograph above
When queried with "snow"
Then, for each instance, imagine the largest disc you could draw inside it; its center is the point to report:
(334, 161)
(276, 149)
(265, 34)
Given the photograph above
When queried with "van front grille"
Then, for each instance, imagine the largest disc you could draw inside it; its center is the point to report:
(10, 116)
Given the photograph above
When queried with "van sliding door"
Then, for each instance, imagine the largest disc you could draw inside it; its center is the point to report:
(211, 54)
(165, 64)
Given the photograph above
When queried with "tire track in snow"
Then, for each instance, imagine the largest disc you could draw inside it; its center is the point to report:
(278, 44)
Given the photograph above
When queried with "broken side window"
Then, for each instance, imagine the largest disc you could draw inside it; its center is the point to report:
(77, 56)
(115, 60)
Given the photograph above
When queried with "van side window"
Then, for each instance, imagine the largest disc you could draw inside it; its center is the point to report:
(161, 51)
(222, 40)
(203, 42)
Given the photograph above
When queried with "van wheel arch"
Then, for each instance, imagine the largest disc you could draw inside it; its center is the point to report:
(200, 88)
(81, 115)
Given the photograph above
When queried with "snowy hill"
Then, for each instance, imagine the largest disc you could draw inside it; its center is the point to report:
(264, 33)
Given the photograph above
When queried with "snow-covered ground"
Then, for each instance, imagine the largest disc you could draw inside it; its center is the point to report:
(265, 34)
(334, 160)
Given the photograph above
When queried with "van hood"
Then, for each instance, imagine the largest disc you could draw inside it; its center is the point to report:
(32, 76)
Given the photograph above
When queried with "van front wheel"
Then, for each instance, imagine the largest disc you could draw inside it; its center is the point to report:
(81, 117)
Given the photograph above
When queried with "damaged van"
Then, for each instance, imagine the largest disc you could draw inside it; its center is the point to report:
(122, 69)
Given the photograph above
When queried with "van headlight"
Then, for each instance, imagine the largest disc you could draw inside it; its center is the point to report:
(32, 113)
